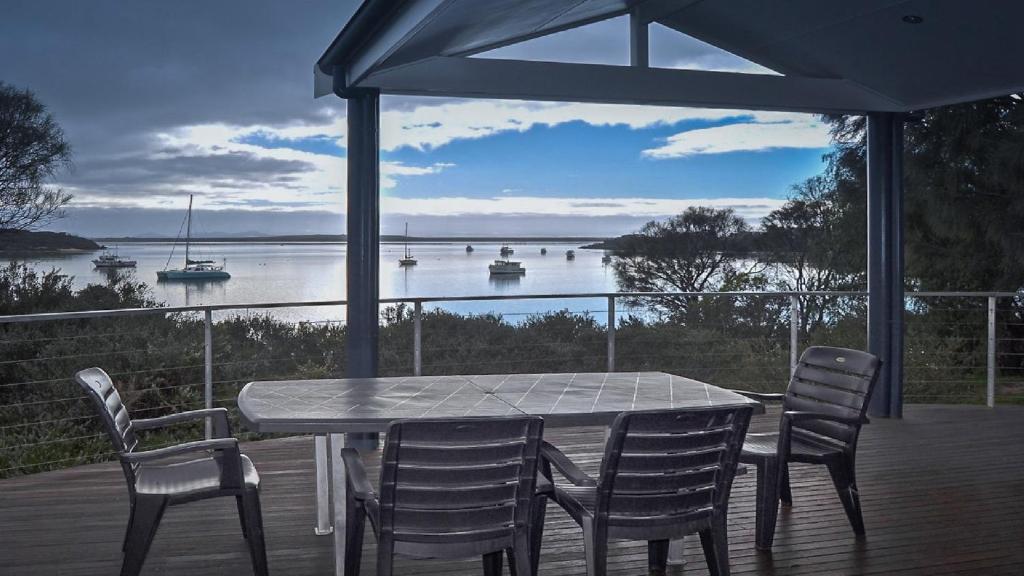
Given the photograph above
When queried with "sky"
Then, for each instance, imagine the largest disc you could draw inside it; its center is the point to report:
(160, 100)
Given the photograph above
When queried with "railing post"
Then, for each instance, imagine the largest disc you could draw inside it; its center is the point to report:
(991, 380)
(417, 338)
(611, 333)
(208, 366)
(794, 332)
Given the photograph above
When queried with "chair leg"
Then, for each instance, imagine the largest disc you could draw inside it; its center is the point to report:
(537, 516)
(767, 503)
(520, 559)
(657, 556)
(355, 527)
(128, 529)
(715, 541)
(845, 481)
(385, 555)
(595, 548)
(785, 492)
(145, 520)
(241, 516)
(492, 563)
(253, 519)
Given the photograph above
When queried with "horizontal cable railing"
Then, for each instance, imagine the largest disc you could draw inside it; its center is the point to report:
(962, 347)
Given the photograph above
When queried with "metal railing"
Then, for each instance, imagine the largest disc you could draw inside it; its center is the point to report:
(980, 331)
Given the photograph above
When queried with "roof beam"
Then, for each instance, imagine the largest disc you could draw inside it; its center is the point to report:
(561, 82)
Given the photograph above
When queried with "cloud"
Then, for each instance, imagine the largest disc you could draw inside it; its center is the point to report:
(802, 132)
(750, 208)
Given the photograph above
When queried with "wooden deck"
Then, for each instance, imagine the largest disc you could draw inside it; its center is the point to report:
(942, 490)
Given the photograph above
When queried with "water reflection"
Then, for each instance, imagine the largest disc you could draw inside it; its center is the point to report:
(504, 282)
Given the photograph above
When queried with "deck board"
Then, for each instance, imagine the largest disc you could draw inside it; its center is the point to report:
(942, 490)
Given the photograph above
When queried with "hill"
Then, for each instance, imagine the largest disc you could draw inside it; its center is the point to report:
(21, 241)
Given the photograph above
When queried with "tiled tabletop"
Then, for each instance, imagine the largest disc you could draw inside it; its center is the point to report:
(369, 404)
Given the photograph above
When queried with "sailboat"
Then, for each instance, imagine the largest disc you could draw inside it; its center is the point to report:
(193, 269)
(506, 251)
(407, 260)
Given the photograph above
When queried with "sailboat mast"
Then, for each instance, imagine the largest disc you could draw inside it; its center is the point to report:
(188, 230)
(406, 239)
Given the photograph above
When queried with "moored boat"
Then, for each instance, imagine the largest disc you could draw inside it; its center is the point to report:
(570, 255)
(112, 260)
(193, 269)
(506, 267)
(407, 259)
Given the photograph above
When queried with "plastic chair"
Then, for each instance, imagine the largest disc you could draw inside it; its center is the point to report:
(823, 410)
(665, 474)
(449, 488)
(153, 484)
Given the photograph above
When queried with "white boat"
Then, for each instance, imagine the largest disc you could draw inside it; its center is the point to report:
(506, 268)
(570, 255)
(193, 269)
(407, 260)
(112, 260)
(506, 251)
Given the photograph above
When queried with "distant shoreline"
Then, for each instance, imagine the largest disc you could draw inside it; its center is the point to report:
(341, 239)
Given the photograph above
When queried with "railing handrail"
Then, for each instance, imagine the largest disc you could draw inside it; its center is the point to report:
(83, 314)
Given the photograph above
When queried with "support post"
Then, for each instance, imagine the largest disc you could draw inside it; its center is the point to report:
(611, 333)
(417, 338)
(208, 367)
(991, 349)
(639, 41)
(363, 252)
(885, 258)
(794, 333)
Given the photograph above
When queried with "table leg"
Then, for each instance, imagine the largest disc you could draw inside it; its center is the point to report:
(675, 553)
(337, 441)
(323, 486)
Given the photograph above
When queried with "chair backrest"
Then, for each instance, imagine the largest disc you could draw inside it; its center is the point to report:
(451, 481)
(667, 468)
(112, 412)
(834, 381)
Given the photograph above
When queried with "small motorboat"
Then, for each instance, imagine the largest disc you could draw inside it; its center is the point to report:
(506, 268)
(570, 255)
(469, 249)
(543, 251)
(109, 260)
(506, 251)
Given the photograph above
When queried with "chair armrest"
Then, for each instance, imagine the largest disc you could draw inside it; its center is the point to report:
(761, 396)
(800, 416)
(791, 417)
(565, 466)
(221, 426)
(356, 475)
(226, 445)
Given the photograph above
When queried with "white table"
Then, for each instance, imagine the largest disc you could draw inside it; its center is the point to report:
(332, 408)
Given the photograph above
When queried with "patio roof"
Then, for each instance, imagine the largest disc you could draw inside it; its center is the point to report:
(881, 58)
(833, 56)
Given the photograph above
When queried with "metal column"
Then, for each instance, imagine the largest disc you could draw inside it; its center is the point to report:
(885, 258)
(363, 215)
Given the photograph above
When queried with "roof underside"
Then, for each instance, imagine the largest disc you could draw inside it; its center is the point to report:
(836, 55)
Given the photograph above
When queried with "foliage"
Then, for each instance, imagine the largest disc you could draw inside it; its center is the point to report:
(692, 252)
(32, 150)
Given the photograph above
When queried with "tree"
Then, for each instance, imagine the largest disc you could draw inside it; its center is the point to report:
(32, 150)
(804, 245)
(692, 252)
(964, 178)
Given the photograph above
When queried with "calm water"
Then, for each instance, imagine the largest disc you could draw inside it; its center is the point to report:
(310, 272)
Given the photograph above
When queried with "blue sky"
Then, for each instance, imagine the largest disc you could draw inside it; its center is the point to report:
(155, 123)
